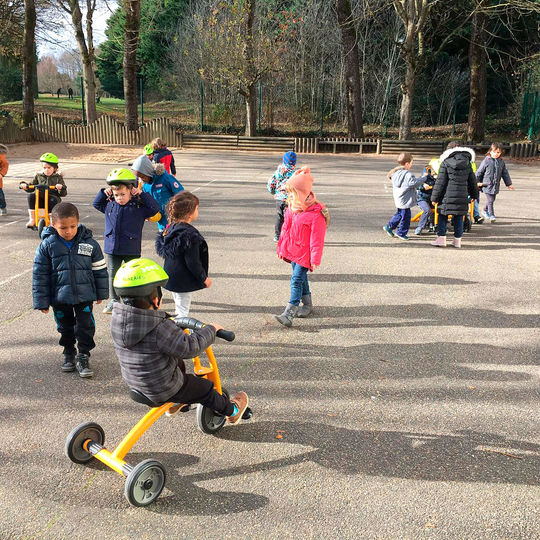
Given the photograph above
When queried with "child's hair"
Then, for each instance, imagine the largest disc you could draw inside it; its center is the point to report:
(181, 206)
(452, 144)
(120, 184)
(3, 149)
(53, 165)
(141, 302)
(158, 143)
(404, 158)
(494, 147)
(64, 210)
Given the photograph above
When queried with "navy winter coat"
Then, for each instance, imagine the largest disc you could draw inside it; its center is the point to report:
(490, 173)
(124, 223)
(186, 257)
(68, 276)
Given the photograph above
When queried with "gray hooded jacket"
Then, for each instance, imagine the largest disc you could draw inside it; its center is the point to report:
(404, 186)
(151, 349)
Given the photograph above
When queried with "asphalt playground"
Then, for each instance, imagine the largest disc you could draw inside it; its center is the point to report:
(406, 407)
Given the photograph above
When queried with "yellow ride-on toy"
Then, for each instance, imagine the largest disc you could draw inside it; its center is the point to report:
(146, 480)
(42, 214)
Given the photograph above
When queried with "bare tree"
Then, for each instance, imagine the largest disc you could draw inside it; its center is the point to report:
(29, 61)
(131, 40)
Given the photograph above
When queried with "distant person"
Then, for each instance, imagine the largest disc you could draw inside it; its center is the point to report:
(489, 175)
(163, 155)
(4, 165)
(424, 199)
(70, 274)
(455, 184)
(276, 186)
(58, 92)
(98, 99)
(70, 93)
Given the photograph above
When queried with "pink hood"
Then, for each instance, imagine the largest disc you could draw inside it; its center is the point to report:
(302, 236)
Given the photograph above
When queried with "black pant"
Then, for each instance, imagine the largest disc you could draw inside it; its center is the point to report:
(76, 325)
(280, 216)
(198, 390)
(114, 262)
(53, 201)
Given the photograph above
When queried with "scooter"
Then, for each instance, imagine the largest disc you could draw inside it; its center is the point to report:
(146, 480)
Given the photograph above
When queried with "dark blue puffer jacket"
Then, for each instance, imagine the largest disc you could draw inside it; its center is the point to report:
(124, 223)
(68, 276)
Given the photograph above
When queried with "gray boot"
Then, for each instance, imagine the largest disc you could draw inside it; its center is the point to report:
(307, 307)
(288, 315)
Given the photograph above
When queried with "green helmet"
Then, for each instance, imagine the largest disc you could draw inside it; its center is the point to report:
(47, 157)
(148, 149)
(121, 176)
(139, 277)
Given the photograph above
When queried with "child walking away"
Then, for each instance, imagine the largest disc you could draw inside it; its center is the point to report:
(151, 348)
(185, 252)
(455, 184)
(276, 186)
(49, 176)
(158, 183)
(301, 241)
(70, 274)
(489, 175)
(4, 165)
(404, 186)
(163, 155)
(126, 208)
(424, 199)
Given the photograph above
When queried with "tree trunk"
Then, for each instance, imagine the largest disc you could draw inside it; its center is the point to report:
(29, 61)
(478, 87)
(407, 92)
(131, 38)
(353, 81)
(251, 110)
(250, 95)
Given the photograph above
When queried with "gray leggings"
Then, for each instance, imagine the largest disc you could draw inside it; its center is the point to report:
(488, 207)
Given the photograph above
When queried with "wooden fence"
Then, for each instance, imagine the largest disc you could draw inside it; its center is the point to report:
(11, 133)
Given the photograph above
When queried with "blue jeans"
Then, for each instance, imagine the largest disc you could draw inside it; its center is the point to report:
(427, 211)
(457, 222)
(2, 199)
(299, 283)
(476, 211)
(402, 217)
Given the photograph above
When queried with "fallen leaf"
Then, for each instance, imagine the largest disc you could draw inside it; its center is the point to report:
(279, 436)
(331, 415)
(430, 525)
(472, 387)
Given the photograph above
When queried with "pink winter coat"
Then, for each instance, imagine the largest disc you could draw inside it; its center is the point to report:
(302, 237)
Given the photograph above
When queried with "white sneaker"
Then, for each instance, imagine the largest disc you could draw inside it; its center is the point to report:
(487, 217)
(493, 218)
(3, 212)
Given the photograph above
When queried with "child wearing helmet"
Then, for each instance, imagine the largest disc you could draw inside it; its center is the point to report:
(49, 176)
(151, 348)
(149, 151)
(126, 208)
(161, 154)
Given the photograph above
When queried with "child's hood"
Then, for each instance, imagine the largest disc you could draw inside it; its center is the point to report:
(399, 175)
(130, 325)
(83, 233)
(159, 169)
(180, 237)
(459, 157)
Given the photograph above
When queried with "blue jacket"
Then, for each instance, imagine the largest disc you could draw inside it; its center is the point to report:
(124, 223)
(65, 275)
(425, 194)
(162, 187)
(490, 173)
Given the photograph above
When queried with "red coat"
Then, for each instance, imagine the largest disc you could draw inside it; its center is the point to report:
(302, 237)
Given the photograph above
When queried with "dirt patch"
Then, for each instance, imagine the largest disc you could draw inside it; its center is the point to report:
(75, 152)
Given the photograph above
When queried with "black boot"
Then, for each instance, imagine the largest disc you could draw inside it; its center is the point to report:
(307, 307)
(83, 365)
(288, 315)
(69, 362)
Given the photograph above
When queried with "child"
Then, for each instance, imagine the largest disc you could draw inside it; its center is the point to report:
(184, 250)
(160, 184)
(70, 274)
(126, 208)
(276, 186)
(151, 348)
(455, 184)
(424, 198)
(163, 155)
(4, 165)
(404, 186)
(489, 175)
(49, 176)
(301, 241)
(149, 151)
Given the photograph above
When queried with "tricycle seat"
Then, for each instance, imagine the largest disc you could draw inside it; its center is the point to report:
(139, 397)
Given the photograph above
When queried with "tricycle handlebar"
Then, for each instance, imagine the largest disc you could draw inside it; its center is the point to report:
(194, 324)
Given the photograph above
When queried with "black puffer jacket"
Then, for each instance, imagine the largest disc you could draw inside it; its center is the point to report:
(456, 182)
(186, 257)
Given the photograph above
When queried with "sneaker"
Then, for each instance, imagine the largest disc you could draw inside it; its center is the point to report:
(402, 236)
(486, 215)
(176, 408)
(493, 218)
(276, 238)
(83, 366)
(241, 401)
(69, 362)
(478, 219)
(388, 231)
(3, 211)
(108, 308)
(418, 230)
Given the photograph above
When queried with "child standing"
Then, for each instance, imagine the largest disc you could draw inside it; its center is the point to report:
(4, 165)
(185, 252)
(276, 186)
(163, 155)
(424, 199)
(301, 241)
(70, 274)
(49, 176)
(151, 348)
(404, 186)
(489, 175)
(126, 208)
(160, 184)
